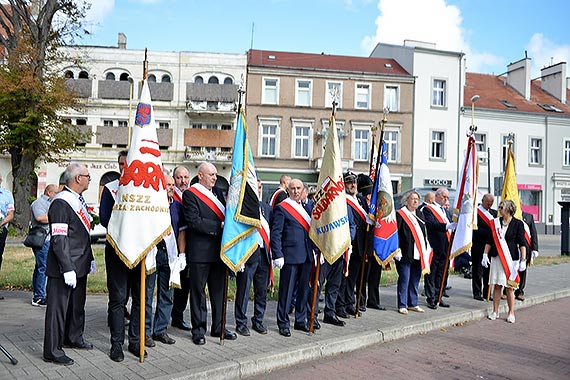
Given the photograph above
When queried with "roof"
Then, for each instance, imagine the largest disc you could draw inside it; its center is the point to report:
(495, 94)
(324, 62)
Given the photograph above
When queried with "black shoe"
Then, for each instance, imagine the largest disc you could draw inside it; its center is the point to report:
(39, 302)
(285, 332)
(361, 308)
(448, 287)
(164, 338)
(135, 350)
(81, 346)
(116, 353)
(148, 341)
(259, 327)
(479, 298)
(199, 340)
(333, 320)
(443, 304)
(432, 305)
(228, 335)
(342, 314)
(181, 325)
(304, 328)
(377, 307)
(62, 360)
(444, 294)
(242, 330)
(316, 325)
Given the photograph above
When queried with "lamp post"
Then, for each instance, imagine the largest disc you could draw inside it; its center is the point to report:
(473, 128)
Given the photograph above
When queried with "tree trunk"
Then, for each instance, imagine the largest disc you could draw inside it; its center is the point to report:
(23, 173)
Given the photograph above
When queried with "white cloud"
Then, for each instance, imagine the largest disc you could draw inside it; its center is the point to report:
(429, 21)
(545, 53)
(98, 11)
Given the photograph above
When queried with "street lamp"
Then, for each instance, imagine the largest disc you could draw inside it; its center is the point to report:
(474, 98)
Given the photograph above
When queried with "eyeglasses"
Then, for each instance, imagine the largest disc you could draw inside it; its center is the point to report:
(500, 207)
(84, 175)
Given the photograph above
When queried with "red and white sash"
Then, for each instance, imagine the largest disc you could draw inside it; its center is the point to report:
(486, 216)
(177, 195)
(527, 235)
(440, 216)
(298, 213)
(504, 254)
(73, 201)
(264, 232)
(274, 197)
(422, 248)
(209, 199)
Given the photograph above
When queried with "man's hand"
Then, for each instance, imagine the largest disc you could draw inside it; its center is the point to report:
(93, 268)
(279, 262)
(70, 279)
(485, 262)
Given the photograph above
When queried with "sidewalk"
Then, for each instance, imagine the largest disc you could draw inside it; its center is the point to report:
(21, 333)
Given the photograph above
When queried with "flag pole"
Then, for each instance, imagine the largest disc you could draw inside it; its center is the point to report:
(367, 238)
(142, 301)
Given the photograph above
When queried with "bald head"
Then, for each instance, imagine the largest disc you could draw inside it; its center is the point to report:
(207, 175)
(487, 201)
(181, 177)
(296, 187)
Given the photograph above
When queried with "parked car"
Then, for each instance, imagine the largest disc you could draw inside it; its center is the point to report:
(422, 191)
(98, 231)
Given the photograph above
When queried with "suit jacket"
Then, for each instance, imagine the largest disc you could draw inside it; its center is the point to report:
(71, 252)
(204, 231)
(529, 220)
(482, 235)
(437, 235)
(514, 237)
(289, 239)
(406, 238)
(267, 212)
(359, 239)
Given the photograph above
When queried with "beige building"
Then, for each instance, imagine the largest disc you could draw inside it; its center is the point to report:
(289, 102)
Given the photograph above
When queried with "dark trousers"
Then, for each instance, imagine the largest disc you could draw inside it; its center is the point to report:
(480, 275)
(161, 278)
(374, 275)
(330, 276)
(432, 281)
(243, 286)
(211, 274)
(65, 315)
(118, 279)
(181, 297)
(346, 299)
(3, 235)
(522, 277)
(408, 281)
(260, 281)
(291, 276)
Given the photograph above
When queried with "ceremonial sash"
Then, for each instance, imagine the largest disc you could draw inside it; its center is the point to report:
(274, 197)
(177, 195)
(441, 217)
(265, 234)
(209, 199)
(486, 216)
(353, 202)
(504, 254)
(421, 245)
(77, 207)
(113, 188)
(527, 235)
(298, 213)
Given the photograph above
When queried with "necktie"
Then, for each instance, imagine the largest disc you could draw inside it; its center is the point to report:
(82, 200)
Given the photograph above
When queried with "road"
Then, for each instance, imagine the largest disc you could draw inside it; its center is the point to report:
(536, 347)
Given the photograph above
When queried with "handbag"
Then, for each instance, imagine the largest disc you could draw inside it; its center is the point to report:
(36, 237)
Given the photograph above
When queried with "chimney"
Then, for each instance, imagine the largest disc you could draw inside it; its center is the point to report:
(122, 41)
(553, 80)
(518, 76)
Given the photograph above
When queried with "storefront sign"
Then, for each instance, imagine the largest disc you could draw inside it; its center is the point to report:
(435, 182)
(529, 186)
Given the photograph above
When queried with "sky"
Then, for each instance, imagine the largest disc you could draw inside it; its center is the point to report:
(492, 33)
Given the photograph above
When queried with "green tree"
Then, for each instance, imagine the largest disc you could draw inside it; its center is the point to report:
(32, 92)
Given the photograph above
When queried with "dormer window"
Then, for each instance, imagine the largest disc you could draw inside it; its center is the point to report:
(507, 104)
(550, 107)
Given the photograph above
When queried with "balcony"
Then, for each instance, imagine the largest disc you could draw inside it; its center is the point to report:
(119, 136)
(211, 99)
(121, 90)
(212, 138)
(80, 87)
(201, 154)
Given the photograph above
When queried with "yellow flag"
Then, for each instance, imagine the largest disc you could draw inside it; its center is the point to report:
(510, 189)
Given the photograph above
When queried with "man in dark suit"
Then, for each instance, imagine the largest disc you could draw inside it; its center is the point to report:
(480, 236)
(438, 224)
(256, 271)
(204, 208)
(280, 194)
(69, 261)
(292, 251)
(532, 252)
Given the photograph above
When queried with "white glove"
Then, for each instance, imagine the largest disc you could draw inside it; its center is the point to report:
(522, 265)
(451, 226)
(534, 254)
(70, 279)
(322, 259)
(485, 262)
(279, 262)
(181, 261)
(93, 268)
(398, 256)
(242, 268)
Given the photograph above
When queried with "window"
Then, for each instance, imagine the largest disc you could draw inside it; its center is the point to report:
(228, 80)
(301, 139)
(213, 80)
(270, 91)
(81, 122)
(361, 148)
(107, 123)
(83, 75)
(334, 92)
(268, 139)
(151, 78)
(123, 123)
(163, 124)
(196, 126)
(199, 80)
(362, 96)
(437, 145)
(439, 93)
(303, 93)
(68, 74)
(535, 151)
(339, 131)
(505, 149)
(480, 145)
(391, 140)
(211, 126)
(124, 77)
(165, 78)
(566, 160)
(391, 98)
(226, 127)
(110, 76)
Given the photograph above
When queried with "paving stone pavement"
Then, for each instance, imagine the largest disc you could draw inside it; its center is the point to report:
(21, 333)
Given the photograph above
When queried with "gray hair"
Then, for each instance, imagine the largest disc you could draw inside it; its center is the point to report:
(72, 171)
(407, 195)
